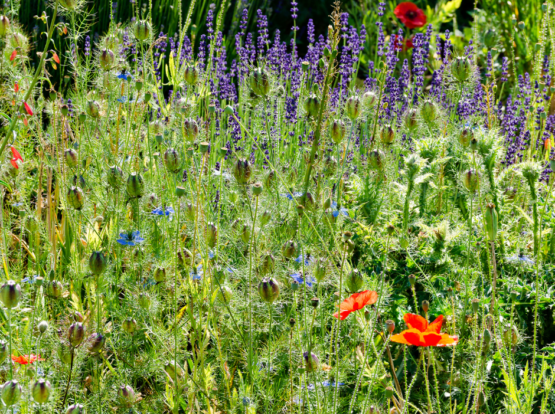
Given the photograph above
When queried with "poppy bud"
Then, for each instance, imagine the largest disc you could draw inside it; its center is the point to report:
(312, 106)
(475, 305)
(353, 107)
(242, 171)
(471, 180)
(289, 249)
(96, 343)
(75, 409)
(115, 176)
(390, 325)
(387, 135)
(42, 326)
(369, 99)
(354, 281)
(268, 289)
(460, 68)
(10, 293)
(93, 109)
(486, 340)
(135, 185)
(70, 156)
(265, 218)
(268, 264)
(388, 392)
(225, 294)
(311, 362)
(428, 111)
(76, 334)
(75, 198)
(97, 263)
(465, 136)
(425, 306)
(144, 301)
(259, 82)
(41, 390)
(4, 26)
(411, 119)
(480, 399)
(141, 30)
(126, 395)
(376, 159)
(491, 221)
(337, 130)
(412, 280)
(190, 129)
(129, 325)
(171, 160)
(11, 391)
(320, 269)
(160, 274)
(56, 289)
(191, 75)
(314, 302)
(107, 59)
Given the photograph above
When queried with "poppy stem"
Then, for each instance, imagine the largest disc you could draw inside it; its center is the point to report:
(425, 372)
(392, 366)
(10, 332)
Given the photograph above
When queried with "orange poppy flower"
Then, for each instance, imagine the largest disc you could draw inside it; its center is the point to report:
(26, 359)
(356, 302)
(420, 333)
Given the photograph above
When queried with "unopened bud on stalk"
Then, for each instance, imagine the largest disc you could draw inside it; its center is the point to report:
(4, 26)
(115, 176)
(144, 301)
(412, 280)
(170, 368)
(320, 269)
(141, 30)
(460, 68)
(411, 119)
(265, 218)
(259, 82)
(491, 221)
(126, 395)
(42, 326)
(268, 290)
(97, 263)
(337, 130)
(56, 289)
(41, 391)
(191, 75)
(465, 137)
(246, 233)
(257, 189)
(289, 249)
(75, 409)
(390, 229)
(93, 109)
(486, 340)
(428, 111)
(10, 293)
(78, 316)
(242, 171)
(387, 135)
(129, 325)
(11, 391)
(312, 106)
(376, 159)
(135, 185)
(354, 281)
(268, 264)
(471, 180)
(314, 302)
(107, 59)
(311, 362)
(70, 156)
(388, 392)
(369, 99)
(171, 160)
(75, 198)
(390, 325)
(473, 144)
(353, 107)
(425, 306)
(211, 234)
(76, 334)
(159, 274)
(225, 294)
(96, 343)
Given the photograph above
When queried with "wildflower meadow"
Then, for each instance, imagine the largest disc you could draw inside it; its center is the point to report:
(242, 207)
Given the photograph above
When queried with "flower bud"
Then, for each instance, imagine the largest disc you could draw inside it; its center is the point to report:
(425, 306)
(387, 135)
(475, 305)
(369, 99)
(135, 185)
(480, 399)
(171, 160)
(259, 82)
(428, 111)
(10, 293)
(353, 107)
(471, 180)
(96, 343)
(126, 395)
(97, 263)
(354, 281)
(312, 106)
(75, 198)
(491, 221)
(93, 109)
(160, 274)
(390, 325)
(129, 325)
(4, 26)
(289, 249)
(170, 368)
(311, 362)
(411, 119)
(75, 409)
(376, 159)
(191, 75)
(107, 59)
(486, 341)
(115, 176)
(337, 130)
(141, 30)
(412, 280)
(246, 233)
(225, 294)
(76, 334)
(268, 264)
(242, 171)
(11, 391)
(41, 391)
(70, 156)
(42, 326)
(268, 290)
(460, 68)
(490, 38)
(465, 137)
(320, 269)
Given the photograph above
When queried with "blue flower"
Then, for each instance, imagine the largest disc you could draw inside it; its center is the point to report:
(290, 197)
(332, 384)
(307, 260)
(342, 210)
(298, 277)
(309, 387)
(125, 76)
(168, 211)
(30, 280)
(520, 258)
(197, 274)
(130, 239)
(246, 401)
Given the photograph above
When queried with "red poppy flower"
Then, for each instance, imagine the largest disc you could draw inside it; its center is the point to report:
(13, 55)
(28, 108)
(26, 359)
(356, 302)
(420, 333)
(410, 15)
(16, 87)
(16, 157)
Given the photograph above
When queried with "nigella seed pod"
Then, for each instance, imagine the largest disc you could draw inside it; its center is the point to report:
(171, 160)
(338, 130)
(56, 289)
(41, 391)
(320, 269)
(141, 30)
(376, 159)
(311, 362)
(289, 249)
(387, 135)
(268, 290)
(259, 82)
(191, 75)
(75, 409)
(76, 334)
(126, 395)
(42, 326)
(268, 264)
(354, 281)
(312, 106)
(129, 325)
(491, 221)
(75, 198)
(225, 294)
(411, 119)
(78, 316)
(93, 109)
(4, 26)
(242, 171)
(211, 234)
(369, 99)
(353, 107)
(10, 293)
(11, 391)
(265, 218)
(97, 263)
(96, 343)
(107, 59)
(460, 68)
(115, 176)
(135, 185)
(471, 180)
(159, 274)
(144, 301)
(70, 156)
(465, 137)
(428, 111)
(64, 353)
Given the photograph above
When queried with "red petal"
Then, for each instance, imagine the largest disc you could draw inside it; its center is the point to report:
(28, 108)
(435, 326)
(416, 322)
(414, 337)
(16, 87)
(344, 314)
(13, 55)
(431, 338)
(16, 153)
(56, 58)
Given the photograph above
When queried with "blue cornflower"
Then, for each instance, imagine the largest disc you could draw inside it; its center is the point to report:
(125, 76)
(342, 210)
(307, 259)
(327, 383)
(290, 197)
(520, 258)
(197, 274)
(168, 211)
(298, 277)
(130, 239)
(30, 280)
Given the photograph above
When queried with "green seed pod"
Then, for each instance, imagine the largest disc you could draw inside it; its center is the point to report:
(42, 327)
(211, 234)
(126, 395)
(10, 293)
(70, 156)
(135, 185)
(75, 409)
(412, 280)
(64, 353)
(289, 249)
(471, 180)
(354, 281)
(141, 30)
(97, 263)
(225, 294)
(486, 340)
(75, 198)
(107, 59)
(491, 221)
(41, 391)
(96, 343)
(312, 106)
(160, 274)
(11, 391)
(56, 289)
(171, 160)
(465, 137)
(376, 159)
(268, 290)
(390, 229)
(311, 362)
(390, 326)
(387, 135)
(93, 109)
(411, 119)
(369, 99)
(320, 269)
(337, 131)
(353, 107)
(257, 189)
(428, 111)
(259, 82)
(190, 129)
(388, 392)
(76, 334)
(129, 325)
(144, 301)
(242, 171)
(4, 26)
(115, 176)
(461, 68)
(191, 75)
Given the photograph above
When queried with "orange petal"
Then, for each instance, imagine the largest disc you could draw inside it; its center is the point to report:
(435, 326)
(414, 337)
(416, 322)
(431, 338)
(447, 340)
(399, 338)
